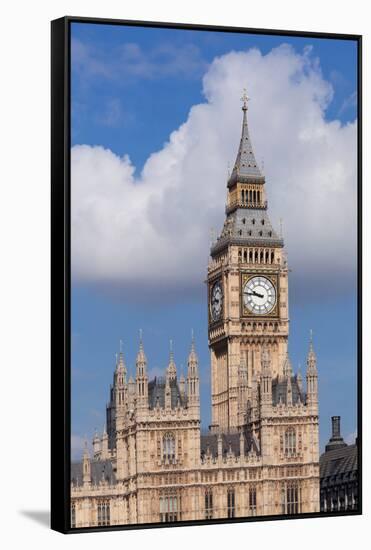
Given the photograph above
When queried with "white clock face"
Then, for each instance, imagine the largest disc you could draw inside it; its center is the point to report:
(259, 295)
(216, 301)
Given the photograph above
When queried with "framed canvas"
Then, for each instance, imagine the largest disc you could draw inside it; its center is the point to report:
(206, 211)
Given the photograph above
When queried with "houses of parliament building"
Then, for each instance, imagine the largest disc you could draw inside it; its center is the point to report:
(261, 454)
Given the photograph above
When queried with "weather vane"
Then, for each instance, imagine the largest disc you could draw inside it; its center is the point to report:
(245, 98)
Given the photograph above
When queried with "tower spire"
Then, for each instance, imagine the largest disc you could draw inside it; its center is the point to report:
(141, 356)
(141, 375)
(120, 361)
(171, 369)
(311, 359)
(192, 375)
(246, 169)
(121, 371)
(312, 376)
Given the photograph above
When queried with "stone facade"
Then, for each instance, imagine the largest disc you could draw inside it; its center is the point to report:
(260, 456)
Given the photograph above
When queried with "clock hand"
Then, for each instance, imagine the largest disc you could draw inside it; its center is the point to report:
(256, 294)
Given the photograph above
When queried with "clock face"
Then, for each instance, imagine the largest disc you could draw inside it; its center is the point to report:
(259, 295)
(216, 301)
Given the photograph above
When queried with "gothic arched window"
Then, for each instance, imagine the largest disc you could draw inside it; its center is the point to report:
(168, 447)
(252, 500)
(231, 502)
(73, 514)
(103, 510)
(290, 441)
(208, 503)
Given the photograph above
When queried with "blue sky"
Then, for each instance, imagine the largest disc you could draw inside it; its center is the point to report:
(131, 88)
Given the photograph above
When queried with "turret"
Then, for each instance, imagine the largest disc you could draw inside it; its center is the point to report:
(116, 408)
(171, 369)
(96, 445)
(287, 373)
(182, 384)
(131, 393)
(104, 452)
(242, 391)
(299, 379)
(170, 377)
(220, 446)
(141, 376)
(86, 467)
(266, 378)
(167, 393)
(193, 383)
(312, 376)
(242, 444)
(119, 386)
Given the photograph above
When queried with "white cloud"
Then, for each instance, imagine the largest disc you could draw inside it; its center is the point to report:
(350, 438)
(112, 114)
(149, 236)
(349, 102)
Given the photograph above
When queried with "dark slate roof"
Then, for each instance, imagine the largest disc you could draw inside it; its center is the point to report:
(248, 227)
(210, 440)
(279, 390)
(341, 463)
(245, 168)
(99, 469)
(156, 389)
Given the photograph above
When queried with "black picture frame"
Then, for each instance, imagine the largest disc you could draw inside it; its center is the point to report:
(61, 263)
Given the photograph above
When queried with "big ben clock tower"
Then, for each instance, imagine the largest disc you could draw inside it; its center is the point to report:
(247, 292)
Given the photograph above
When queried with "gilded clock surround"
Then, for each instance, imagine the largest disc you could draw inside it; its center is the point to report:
(212, 284)
(245, 278)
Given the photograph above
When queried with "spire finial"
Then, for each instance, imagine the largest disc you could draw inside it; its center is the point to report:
(121, 345)
(311, 359)
(86, 450)
(140, 338)
(245, 98)
(171, 351)
(171, 370)
(281, 228)
(311, 349)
